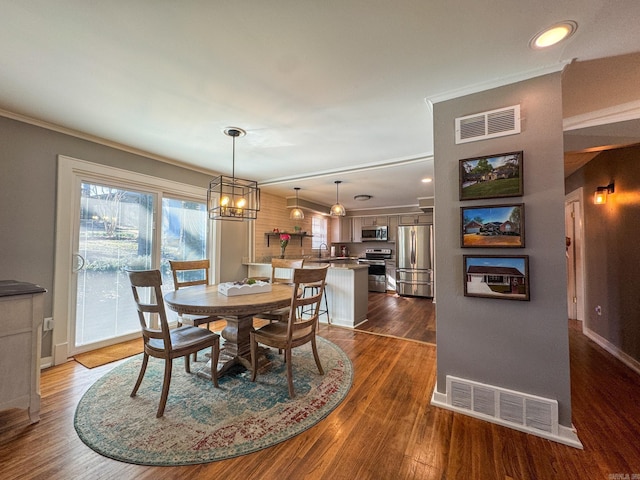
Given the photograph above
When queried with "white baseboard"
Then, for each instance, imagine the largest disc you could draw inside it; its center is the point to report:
(566, 435)
(60, 353)
(628, 360)
(46, 362)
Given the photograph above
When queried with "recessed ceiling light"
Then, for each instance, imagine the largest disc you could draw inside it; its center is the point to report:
(554, 34)
(427, 180)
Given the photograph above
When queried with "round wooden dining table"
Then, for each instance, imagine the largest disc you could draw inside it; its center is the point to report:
(237, 310)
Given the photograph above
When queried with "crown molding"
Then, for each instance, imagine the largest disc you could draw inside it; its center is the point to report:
(615, 114)
(495, 83)
(99, 140)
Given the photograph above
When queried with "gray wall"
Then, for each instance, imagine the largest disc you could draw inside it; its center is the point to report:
(517, 345)
(612, 256)
(28, 156)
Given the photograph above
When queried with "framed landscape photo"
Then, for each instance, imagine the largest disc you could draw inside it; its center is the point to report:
(491, 176)
(504, 277)
(492, 226)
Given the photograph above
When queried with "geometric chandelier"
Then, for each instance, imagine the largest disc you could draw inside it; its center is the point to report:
(231, 198)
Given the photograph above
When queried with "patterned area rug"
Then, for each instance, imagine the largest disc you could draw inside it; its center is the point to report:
(201, 423)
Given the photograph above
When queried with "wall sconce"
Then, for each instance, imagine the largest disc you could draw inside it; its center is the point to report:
(600, 197)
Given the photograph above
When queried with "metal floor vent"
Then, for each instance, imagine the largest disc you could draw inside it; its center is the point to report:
(491, 124)
(510, 407)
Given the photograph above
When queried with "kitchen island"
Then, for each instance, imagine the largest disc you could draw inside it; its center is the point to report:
(346, 290)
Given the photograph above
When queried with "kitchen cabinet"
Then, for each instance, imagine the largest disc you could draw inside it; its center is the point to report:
(356, 229)
(393, 228)
(390, 267)
(346, 290)
(414, 219)
(375, 221)
(341, 230)
(21, 317)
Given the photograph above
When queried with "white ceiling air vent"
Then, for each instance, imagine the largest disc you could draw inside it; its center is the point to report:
(491, 124)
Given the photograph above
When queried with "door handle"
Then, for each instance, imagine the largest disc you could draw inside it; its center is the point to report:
(77, 268)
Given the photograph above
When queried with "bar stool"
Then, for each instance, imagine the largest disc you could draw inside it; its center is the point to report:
(323, 307)
(278, 268)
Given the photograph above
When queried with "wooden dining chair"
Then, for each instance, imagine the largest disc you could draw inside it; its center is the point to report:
(183, 273)
(296, 331)
(281, 272)
(162, 342)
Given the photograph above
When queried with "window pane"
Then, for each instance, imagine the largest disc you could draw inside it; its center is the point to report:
(319, 231)
(184, 235)
(115, 233)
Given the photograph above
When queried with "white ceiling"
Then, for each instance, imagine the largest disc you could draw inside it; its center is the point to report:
(326, 90)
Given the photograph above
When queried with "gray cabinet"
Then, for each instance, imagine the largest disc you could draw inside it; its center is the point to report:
(356, 229)
(390, 267)
(375, 221)
(415, 219)
(346, 230)
(393, 228)
(21, 316)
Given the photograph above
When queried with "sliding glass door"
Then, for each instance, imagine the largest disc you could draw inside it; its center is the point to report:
(183, 235)
(115, 232)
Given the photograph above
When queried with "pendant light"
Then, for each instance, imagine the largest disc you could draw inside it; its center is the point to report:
(337, 209)
(231, 198)
(296, 213)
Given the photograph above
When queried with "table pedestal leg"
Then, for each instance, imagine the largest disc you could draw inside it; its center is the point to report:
(236, 347)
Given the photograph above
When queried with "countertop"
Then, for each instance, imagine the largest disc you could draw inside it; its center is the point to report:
(332, 265)
(315, 262)
(11, 287)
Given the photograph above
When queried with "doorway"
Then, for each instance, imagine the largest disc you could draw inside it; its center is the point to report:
(574, 232)
(110, 220)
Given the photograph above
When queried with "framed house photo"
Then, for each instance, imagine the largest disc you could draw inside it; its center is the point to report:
(492, 226)
(505, 277)
(491, 176)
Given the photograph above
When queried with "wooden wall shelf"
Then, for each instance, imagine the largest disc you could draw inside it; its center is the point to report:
(273, 234)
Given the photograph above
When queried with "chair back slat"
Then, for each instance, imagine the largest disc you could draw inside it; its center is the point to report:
(302, 276)
(179, 268)
(150, 280)
(281, 267)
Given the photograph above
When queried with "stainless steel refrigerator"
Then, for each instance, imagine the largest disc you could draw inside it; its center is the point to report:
(414, 261)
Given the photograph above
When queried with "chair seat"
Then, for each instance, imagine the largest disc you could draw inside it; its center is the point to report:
(160, 341)
(196, 320)
(296, 331)
(182, 338)
(280, 314)
(278, 330)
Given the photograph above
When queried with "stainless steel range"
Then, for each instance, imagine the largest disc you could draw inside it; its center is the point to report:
(375, 257)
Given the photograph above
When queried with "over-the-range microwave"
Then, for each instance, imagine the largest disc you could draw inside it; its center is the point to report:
(375, 234)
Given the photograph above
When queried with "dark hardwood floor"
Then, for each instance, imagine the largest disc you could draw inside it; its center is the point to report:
(384, 429)
(390, 314)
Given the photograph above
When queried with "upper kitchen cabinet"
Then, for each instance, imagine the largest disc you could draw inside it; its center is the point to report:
(393, 228)
(375, 221)
(346, 230)
(417, 218)
(356, 229)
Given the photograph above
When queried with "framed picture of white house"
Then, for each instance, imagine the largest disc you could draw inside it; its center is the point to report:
(492, 226)
(505, 277)
(491, 176)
